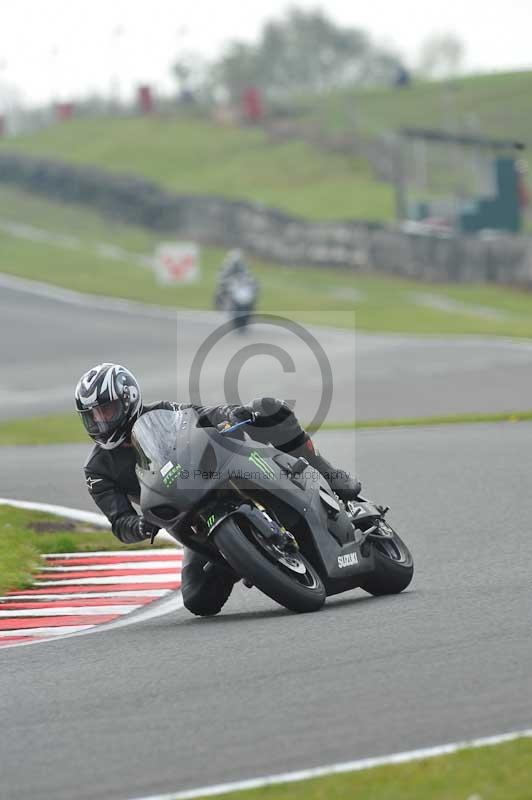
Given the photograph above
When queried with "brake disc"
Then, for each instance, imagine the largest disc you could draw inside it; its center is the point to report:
(293, 563)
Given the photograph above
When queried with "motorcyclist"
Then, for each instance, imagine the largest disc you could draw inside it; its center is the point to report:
(234, 270)
(109, 401)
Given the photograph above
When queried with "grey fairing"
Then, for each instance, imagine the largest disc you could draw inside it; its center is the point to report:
(366, 510)
(163, 437)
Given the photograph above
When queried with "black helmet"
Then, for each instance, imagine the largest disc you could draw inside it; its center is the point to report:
(109, 401)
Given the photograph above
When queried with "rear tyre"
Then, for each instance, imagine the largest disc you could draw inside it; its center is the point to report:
(394, 565)
(298, 591)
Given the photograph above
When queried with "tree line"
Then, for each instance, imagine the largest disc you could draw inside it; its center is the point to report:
(305, 51)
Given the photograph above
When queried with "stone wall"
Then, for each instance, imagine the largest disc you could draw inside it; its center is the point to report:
(274, 235)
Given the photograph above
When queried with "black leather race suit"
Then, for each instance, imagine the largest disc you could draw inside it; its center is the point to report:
(112, 482)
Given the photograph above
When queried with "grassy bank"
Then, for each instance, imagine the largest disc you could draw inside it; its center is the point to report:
(323, 296)
(497, 103)
(66, 428)
(502, 772)
(54, 429)
(24, 535)
(195, 156)
(449, 419)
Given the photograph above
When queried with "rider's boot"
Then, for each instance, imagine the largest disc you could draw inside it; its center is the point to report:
(341, 482)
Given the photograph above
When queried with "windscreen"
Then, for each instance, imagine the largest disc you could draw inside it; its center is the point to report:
(154, 438)
(174, 454)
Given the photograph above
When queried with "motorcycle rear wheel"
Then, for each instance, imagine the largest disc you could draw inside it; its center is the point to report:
(298, 591)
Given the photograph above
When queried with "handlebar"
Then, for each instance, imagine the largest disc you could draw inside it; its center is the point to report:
(238, 425)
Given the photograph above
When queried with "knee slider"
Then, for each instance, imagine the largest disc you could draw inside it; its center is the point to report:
(202, 605)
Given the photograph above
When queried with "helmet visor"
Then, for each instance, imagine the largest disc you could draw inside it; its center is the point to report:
(102, 421)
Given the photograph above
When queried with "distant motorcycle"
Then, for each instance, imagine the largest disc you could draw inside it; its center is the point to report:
(242, 298)
(237, 290)
(266, 514)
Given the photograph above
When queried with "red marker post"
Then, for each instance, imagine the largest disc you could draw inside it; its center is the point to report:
(64, 111)
(145, 100)
(252, 105)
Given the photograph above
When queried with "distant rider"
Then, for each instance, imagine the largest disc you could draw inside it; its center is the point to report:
(233, 272)
(109, 401)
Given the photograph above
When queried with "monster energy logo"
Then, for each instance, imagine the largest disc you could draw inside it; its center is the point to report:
(263, 465)
(210, 521)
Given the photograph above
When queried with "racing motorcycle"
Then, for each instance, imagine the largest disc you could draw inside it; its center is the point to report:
(242, 298)
(268, 515)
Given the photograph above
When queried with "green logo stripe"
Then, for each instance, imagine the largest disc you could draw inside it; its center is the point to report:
(260, 462)
(263, 465)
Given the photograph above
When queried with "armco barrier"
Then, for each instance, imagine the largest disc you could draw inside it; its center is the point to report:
(274, 235)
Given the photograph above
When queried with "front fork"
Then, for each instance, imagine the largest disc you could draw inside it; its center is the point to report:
(261, 520)
(368, 519)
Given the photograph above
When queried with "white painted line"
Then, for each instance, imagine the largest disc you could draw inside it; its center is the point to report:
(115, 581)
(193, 316)
(168, 605)
(61, 511)
(68, 611)
(348, 294)
(144, 552)
(348, 766)
(59, 294)
(170, 602)
(60, 630)
(33, 234)
(79, 515)
(136, 565)
(450, 306)
(155, 593)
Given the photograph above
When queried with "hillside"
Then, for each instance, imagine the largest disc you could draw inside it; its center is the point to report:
(193, 155)
(495, 105)
(190, 155)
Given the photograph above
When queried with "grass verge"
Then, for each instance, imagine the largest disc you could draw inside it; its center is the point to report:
(24, 535)
(322, 296)
(190, 155)
(501, 772)
(67, 429)
(449, 419)
(54, 429)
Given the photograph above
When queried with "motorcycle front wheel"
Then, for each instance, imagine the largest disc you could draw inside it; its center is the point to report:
(394, 565)
(287, 578)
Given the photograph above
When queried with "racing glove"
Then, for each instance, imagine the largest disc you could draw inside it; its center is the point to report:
(241, 414)
(130, 528)
(147, 529)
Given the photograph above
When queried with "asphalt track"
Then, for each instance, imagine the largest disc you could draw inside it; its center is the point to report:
(45, 344)
(181, 702)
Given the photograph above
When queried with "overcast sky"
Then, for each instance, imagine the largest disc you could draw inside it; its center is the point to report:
(60, 48)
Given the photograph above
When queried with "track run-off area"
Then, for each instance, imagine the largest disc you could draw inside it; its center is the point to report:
(177, 702)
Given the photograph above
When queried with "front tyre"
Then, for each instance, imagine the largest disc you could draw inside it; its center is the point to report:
(298, 587)
(394, 565)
